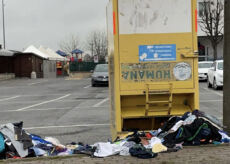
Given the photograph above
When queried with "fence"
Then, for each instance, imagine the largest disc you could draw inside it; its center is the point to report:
(82, 66)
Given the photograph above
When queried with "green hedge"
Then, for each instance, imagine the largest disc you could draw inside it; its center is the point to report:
(82, 66)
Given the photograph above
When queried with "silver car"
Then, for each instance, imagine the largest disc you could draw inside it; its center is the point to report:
(100, 75)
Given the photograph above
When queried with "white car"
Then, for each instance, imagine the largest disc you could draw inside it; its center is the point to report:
(203, 68)
(215, 75)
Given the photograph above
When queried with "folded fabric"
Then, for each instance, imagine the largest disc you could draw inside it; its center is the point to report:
(141, 152)
(158, 148)
(125, 148)
(106, 149)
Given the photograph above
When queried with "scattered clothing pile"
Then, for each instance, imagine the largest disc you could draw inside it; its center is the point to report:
(192, 129)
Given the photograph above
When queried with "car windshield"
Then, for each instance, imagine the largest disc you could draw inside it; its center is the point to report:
(220, 65)
(205, 65)
(101, 68)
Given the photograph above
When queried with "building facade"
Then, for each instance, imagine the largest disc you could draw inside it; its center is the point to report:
(205, 48)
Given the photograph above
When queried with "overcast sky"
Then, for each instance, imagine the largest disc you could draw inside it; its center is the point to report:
(47, 22)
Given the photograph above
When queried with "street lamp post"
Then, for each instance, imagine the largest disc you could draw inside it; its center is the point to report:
(226, 111)
(3, 25)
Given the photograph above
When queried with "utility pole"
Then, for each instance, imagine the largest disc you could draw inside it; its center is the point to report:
(226, 104)
(3, 25)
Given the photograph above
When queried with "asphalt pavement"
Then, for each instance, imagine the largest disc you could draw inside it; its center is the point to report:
(71, 110)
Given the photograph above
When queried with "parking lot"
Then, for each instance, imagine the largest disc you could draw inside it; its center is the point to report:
(71, 110)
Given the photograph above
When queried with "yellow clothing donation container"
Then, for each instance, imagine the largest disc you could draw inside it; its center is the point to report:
(153, 62)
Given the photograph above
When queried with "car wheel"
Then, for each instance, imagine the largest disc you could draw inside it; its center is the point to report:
(93, 85)
(214, 84)
(209, 84)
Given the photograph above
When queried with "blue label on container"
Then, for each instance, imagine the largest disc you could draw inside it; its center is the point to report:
(164, 52)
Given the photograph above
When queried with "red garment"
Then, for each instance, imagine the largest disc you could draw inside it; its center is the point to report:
(148, 135)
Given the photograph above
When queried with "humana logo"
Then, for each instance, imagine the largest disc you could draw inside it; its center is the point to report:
(148, 75)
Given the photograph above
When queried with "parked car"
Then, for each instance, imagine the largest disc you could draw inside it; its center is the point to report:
(203, 69)
(215, 75)
(100, 75)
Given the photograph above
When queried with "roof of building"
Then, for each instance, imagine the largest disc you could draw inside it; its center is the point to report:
(34, 50)
(8, 53)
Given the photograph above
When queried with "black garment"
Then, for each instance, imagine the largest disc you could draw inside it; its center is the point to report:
(188, 134)
(198, 113)
(22, 136)
(88, 150)
(45, 147)
(169, 124)
(141, 152)
(172, 121)
(211, 118)
(135, 137)
(9, 147)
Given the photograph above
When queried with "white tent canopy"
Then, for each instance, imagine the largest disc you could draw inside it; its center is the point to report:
(33, 49)
(52, 55)
(50, 51)
(45, 53)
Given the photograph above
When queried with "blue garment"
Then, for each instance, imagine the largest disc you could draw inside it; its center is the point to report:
(2, 143)
(36, 138)
(179, 133)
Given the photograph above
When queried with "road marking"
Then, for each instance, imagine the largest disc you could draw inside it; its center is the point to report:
(217, 93)
(45, 102)
(101, 102)
(36, 83)
(46, 109)
(10, 98)
(38, 95)
(87, 86)
(211, 101)
(66, 126)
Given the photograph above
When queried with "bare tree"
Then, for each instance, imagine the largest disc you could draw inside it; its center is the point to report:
(70, 43)
(97, 44)
(212, 22)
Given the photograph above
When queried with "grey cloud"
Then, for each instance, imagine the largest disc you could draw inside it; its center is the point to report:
(46, 22)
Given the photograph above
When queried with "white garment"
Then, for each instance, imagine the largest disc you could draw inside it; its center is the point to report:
(125, 146)
(124, 151)
(106, 149)
(224, 136)
(152, 142)
(38, 151)
(54, 141)
(189, 120)
(176, 126)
